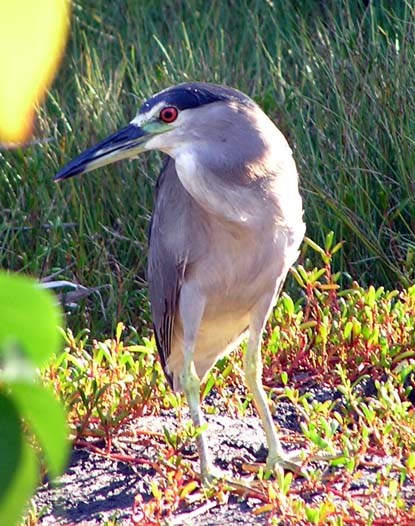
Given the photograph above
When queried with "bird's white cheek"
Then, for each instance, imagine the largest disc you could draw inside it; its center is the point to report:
(158, 142)
(167, 142)
(187, 169)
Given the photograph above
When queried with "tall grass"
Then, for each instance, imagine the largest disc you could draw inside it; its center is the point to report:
(336, 77)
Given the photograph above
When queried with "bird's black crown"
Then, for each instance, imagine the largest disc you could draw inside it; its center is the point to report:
(194, 94)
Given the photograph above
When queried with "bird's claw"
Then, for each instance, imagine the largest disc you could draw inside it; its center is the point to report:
(242, 487)
(294, 461)
(211, 476)
(288, 461)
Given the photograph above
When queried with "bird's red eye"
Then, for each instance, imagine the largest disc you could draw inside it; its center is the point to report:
(169, 114)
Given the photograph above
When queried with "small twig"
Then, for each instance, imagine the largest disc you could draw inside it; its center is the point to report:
(184, 518)
(41, 227)
(115, 456)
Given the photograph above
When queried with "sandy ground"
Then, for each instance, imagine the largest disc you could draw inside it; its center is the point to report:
(96, 489)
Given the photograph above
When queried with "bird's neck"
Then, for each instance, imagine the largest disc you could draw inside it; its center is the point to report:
(251, 202)
(216, 195)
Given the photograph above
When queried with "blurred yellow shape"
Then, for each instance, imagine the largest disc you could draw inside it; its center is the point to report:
(32, 39)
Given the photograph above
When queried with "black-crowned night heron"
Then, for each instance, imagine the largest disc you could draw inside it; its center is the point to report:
(227, 226)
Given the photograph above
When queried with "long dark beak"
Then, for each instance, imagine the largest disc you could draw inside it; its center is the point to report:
(128, 142)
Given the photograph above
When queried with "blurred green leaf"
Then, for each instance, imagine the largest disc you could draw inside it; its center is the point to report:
(29, 318)
(26, 477)
(29, 335)
(47, 421)
(10, 443)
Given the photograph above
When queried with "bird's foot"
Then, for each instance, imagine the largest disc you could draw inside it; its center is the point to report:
(293, 461)
(212, 478)
(288, 461)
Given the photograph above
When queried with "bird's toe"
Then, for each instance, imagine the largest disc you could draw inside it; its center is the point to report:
(293, 461)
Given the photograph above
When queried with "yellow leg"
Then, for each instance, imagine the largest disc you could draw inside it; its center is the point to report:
(191, 386)
(191, 310)
(253, 374)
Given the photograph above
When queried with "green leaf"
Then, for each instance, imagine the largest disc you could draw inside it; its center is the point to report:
(410, 461)
(312, 244)
(25, 480)
(208, 386)
(312, 514)
(288, 304)
(329, 241)
(339, 461)
(347, 329)
(29, 318)
(46, 419)
(10, 443)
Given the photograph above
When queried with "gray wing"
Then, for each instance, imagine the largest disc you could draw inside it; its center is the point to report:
(167, 256)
